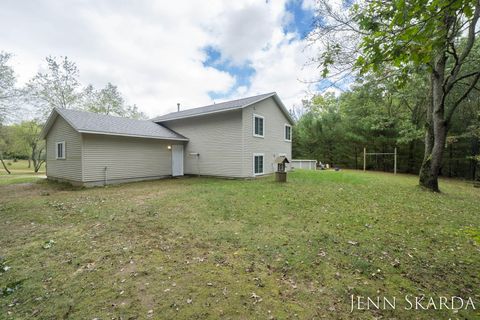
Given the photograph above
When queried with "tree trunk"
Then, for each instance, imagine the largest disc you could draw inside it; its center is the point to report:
(38, 166)
(426, 178)
(437, 126)
(425, 169)
(34, 159)
(29, 163)
(3, 163)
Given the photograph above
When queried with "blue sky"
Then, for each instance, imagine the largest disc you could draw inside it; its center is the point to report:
(300, 23)
(241, 73)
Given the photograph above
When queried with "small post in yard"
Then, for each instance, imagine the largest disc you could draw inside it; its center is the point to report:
(395, 162)
(364, 159)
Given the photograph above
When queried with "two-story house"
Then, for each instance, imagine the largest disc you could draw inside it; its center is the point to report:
(239, 139)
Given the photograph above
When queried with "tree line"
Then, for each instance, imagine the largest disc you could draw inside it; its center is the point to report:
(379, 116)
(24, 110)
(416, 67)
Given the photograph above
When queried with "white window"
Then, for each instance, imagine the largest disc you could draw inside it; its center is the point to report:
(60, 150)
(288, 132)
(258, 126)
(257, 163)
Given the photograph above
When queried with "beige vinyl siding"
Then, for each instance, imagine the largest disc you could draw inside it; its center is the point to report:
(69, 168)
(218, 140)
(272, 144)
(124, 157)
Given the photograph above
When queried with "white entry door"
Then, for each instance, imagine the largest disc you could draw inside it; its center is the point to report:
(177, 160)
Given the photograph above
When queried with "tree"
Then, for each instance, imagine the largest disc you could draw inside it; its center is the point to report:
(28, 133)
(337, 35)
(472, 134)
(372, 115)
(401, 109)
(108, 101)
(8, 93)
(319, 132)
(133, 113)
(399, 37)
(3, 145)
(58, 87)
(16, 146)
(425, 36)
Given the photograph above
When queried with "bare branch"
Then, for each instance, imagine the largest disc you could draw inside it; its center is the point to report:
(463, 97)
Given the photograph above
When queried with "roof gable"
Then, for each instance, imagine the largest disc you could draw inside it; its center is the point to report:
(88, 122)
(223, 107)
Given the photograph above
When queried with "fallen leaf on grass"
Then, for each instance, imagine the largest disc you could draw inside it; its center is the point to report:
(256, 298)
(395, 263)
(48, 244)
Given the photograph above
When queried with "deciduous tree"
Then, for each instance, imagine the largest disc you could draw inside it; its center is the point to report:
(8, 93)
(57, 87)
(28, 133)
(436, 37)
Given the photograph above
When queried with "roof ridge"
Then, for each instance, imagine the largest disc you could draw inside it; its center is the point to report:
(96, 123)
(234, 100)
(97, 114)
(198, 110)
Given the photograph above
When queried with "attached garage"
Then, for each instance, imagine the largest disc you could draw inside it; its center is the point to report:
(91, 149)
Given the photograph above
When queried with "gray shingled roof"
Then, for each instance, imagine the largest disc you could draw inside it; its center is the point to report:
(88, 122)
(218, 107)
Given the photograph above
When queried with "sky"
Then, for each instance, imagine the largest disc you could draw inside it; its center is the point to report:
(160, 53)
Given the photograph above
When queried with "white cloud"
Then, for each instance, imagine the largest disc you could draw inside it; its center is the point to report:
(154, 50)
(247, 28)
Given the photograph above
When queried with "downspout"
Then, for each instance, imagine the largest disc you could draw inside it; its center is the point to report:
(105, 183)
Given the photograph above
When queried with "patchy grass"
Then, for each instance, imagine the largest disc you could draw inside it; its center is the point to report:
(209, 248)
(20, 173)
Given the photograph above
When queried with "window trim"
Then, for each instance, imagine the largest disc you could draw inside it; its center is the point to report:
(63, 150)
(263, 163)
(285, 132)
(263, 120)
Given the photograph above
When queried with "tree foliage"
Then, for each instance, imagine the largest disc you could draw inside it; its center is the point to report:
(108, 101)
(57, 87)
(8, 91)
(8, 94)
(26, 137)
(435, 39)
(379, 115)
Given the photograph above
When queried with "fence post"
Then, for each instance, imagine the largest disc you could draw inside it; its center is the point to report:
(364, 159)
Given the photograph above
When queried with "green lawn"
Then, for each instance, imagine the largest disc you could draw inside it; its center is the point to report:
(205, 248)
(20, 172)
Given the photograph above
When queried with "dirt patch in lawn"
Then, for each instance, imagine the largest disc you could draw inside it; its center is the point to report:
(14, 191)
